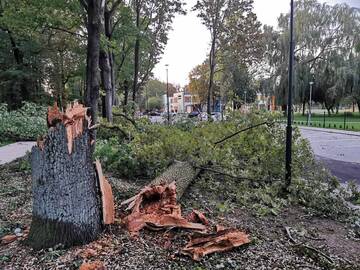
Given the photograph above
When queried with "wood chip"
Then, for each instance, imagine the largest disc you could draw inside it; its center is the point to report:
(219, 242)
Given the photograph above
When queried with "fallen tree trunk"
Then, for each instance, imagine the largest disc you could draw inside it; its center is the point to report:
(66, 193)
(155, 206)
(182, 173)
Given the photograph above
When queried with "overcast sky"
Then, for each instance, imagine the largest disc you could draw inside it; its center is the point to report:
(188, 42)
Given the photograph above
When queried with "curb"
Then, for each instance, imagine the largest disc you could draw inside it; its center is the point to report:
(351, 133)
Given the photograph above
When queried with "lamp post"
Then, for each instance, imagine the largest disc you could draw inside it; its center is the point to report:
(311, 86)
(167, 93)
(289, 103)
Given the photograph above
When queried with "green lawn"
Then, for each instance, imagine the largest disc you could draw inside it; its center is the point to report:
(335, 121)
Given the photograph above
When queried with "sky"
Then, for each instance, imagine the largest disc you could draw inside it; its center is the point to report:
(188, 42)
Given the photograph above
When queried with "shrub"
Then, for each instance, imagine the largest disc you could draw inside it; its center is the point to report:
(26, 123)
(251, 163)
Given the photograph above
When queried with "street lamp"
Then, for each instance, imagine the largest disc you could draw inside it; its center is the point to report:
(167, 93)
(289, 104)
(311, 87)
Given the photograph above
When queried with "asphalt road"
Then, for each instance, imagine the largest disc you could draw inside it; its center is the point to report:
(339, 151)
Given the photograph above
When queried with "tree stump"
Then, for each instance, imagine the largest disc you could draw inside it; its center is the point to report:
(66, 197)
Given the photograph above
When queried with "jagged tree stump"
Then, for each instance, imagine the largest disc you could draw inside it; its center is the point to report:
(66, 197)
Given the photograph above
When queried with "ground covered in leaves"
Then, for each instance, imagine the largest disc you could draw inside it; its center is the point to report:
(293, 238)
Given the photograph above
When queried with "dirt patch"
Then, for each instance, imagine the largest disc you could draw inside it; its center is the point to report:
(270, 248)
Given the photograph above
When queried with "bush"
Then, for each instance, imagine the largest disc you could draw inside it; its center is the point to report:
(250, 163)
(26, 123)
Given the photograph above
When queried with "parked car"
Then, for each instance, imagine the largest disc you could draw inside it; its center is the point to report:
(154, 113)
(193, 114)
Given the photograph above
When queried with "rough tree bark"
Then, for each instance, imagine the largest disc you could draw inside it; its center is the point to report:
(95, 11)
(137, 51)
(212, 72)
(182, 173)
(107, 84)
(71, 199)
(66, 201)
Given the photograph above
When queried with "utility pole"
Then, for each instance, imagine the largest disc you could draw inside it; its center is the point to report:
(310, 101)
(167, 93)
(289, 103)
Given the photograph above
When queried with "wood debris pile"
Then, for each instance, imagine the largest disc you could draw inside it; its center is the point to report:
(155, 207)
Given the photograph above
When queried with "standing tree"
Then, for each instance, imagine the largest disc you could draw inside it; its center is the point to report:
(153, 22)
(94, 21)
(229, 22)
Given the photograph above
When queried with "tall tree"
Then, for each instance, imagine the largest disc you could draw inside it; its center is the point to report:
(228, 21)
(153, 21)
(94, 21)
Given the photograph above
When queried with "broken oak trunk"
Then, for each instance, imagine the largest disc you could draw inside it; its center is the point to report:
(66, 197)
(182, 173)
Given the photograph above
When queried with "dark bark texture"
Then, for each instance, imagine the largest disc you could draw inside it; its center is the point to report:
(95, 11)
(66, 202)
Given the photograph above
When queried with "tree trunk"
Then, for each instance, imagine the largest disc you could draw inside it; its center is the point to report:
(303, 107)
(106, 82)
(115, 99)
(95, 11)
(182, 173)
(126, 94)
(66, 202)
(136, 51)
(212, 71)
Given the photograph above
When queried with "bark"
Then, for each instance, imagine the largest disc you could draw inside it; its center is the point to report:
(212, 71)
(303, 107)
(95, 11)
(107, 84)
(126, 94)
(66, 202)
(182, 173)
(136, 51)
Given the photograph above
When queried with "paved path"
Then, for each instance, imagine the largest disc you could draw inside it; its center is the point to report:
(13, 151)
(338, 150)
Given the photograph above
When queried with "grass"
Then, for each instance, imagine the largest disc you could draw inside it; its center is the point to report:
(5, 142)
(335, 121)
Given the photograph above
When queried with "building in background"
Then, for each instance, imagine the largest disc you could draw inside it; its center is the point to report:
(265, 102)
(182, 102)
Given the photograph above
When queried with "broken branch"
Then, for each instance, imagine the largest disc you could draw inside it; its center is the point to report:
(240, 131)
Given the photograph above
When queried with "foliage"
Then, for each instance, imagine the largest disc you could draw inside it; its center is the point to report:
(251, 163)
(236, 45)
(26, 123)
(326, 38)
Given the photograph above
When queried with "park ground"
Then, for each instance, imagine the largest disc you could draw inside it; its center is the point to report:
(341, 121)
(270, 248)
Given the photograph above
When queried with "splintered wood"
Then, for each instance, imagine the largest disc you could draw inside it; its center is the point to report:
(107, 197)
(221, 241)
(155, 208)
(73, 120)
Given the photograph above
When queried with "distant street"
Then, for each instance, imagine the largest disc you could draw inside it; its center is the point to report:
(338, 150)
